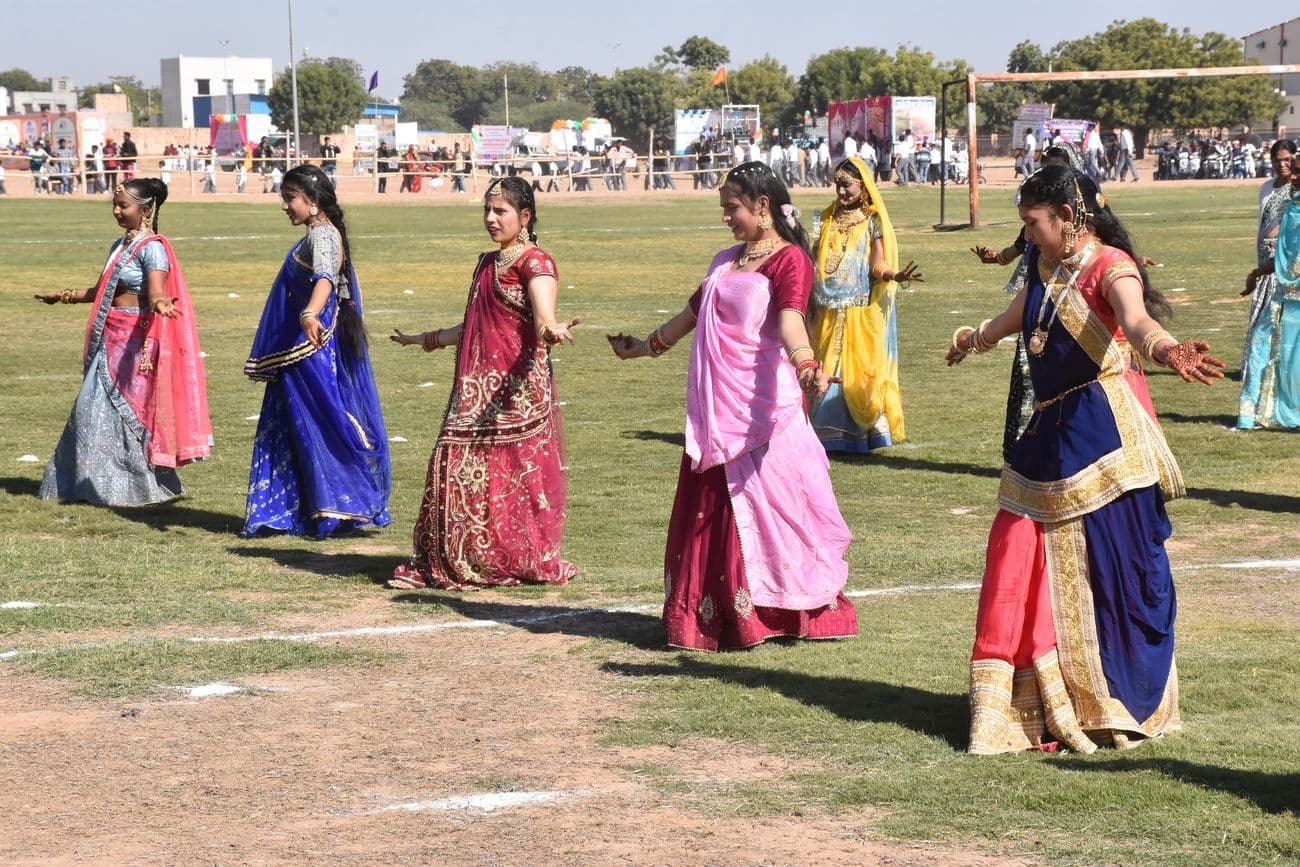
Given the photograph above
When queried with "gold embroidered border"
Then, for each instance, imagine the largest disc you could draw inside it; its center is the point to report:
(1006, 714)
(261, 368)
(1123, 268)
(361, 432)
(1075, 621)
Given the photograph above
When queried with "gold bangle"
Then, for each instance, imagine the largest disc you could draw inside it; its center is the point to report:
(1150, 342)
(800, 348)
(66, 297)
(982, 343)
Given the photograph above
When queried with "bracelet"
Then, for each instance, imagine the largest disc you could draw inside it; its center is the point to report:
(960, 334)
(306, 314)
(802, 347)
(432, 340)
(1153, 337)
(807, 364)
(66, 297)
(657, 343)
(980, 343)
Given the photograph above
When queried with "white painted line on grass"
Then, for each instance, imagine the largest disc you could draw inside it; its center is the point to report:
(485, 803)
(1288, 565)
(21, 603)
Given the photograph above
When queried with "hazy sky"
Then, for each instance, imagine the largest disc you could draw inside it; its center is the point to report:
(393, 37)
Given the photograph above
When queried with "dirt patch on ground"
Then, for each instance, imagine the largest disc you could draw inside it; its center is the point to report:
(315, 767)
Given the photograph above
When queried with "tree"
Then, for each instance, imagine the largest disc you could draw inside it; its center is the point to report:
(837, 75)
(144, 102)
(21, 79)
(767, 84)
(577, 84)
(998, 105)
(701, 52)
(639, 98)
(329, 98)
(1160, 103)
(452, 87)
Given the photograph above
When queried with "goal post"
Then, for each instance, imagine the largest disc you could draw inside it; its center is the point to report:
(973, 80)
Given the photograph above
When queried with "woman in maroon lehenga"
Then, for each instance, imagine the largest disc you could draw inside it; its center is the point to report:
(494, 500)
(756, 542)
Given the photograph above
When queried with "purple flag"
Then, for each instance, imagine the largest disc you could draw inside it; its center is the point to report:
(374, 81)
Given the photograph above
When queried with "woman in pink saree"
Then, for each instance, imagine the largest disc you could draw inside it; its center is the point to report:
(495, 497)
(756, 542)
(143, 409)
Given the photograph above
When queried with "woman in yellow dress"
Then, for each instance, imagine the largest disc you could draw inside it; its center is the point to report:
(852, 318)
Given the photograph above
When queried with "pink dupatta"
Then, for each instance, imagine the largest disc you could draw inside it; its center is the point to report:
(155, 364)
(744, 410)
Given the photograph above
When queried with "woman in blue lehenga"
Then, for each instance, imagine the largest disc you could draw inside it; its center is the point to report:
(1270, 364)
(320, 457)
(1074, 639)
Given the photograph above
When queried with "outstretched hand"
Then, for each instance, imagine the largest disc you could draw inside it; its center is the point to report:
(401, 338)
(168, 308)
(1191, 360)
(987, 255)
(626, 346)
(49, 297)
(558, 333)
(908, 274)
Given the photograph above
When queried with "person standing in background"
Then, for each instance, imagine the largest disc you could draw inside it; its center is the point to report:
(329, 153)
(128, 152)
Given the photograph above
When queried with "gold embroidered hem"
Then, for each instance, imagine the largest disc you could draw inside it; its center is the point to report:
(1074, 618)
(263, 369)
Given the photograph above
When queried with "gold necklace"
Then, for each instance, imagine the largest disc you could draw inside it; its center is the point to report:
(510, 255)
(841, 225)
(755, 250)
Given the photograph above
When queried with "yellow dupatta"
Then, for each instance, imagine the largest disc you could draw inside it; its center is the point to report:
(853, 340)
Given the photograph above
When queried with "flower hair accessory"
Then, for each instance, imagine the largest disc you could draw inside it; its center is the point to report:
(788, 211)
(1101, 200)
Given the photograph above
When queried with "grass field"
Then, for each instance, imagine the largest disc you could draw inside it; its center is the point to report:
(866, 736)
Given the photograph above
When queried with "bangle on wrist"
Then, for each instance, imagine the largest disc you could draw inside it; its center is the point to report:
(1152, 342)
(807, 364)
(979, 341)
(802, 347)
(657, 343)
(432, 340)
(306, 314)
(66, 297)
(959, 335)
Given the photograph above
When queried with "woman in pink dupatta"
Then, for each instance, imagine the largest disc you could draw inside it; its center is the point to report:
(142, 410)
(495, 497)
(756, 542)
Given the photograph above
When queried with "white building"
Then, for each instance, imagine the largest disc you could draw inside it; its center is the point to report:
(1276, 45)
(193, 88)
(62, 96)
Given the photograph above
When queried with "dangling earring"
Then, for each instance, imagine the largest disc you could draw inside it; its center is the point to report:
(312, 211)
(523, 236)
(1071, 238)
(764, 221)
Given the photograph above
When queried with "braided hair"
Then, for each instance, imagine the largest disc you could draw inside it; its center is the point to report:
(312, 182)
(1057, 186)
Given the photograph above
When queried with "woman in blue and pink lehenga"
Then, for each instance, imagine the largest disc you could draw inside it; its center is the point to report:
(1074, 639)
(320, 457)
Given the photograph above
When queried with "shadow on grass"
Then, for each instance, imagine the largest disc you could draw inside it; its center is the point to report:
(376, 568)
(673, 439)
(896, 461)
(1246, 499)
(1221, 420)
(161, 516)
(637, 629)
(1271, 792)
(18, 486)
(934, 714)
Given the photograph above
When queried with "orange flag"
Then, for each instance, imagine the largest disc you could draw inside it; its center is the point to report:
(719, 77)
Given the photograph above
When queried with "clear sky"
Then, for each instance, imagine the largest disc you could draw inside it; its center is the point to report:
(392, 37)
